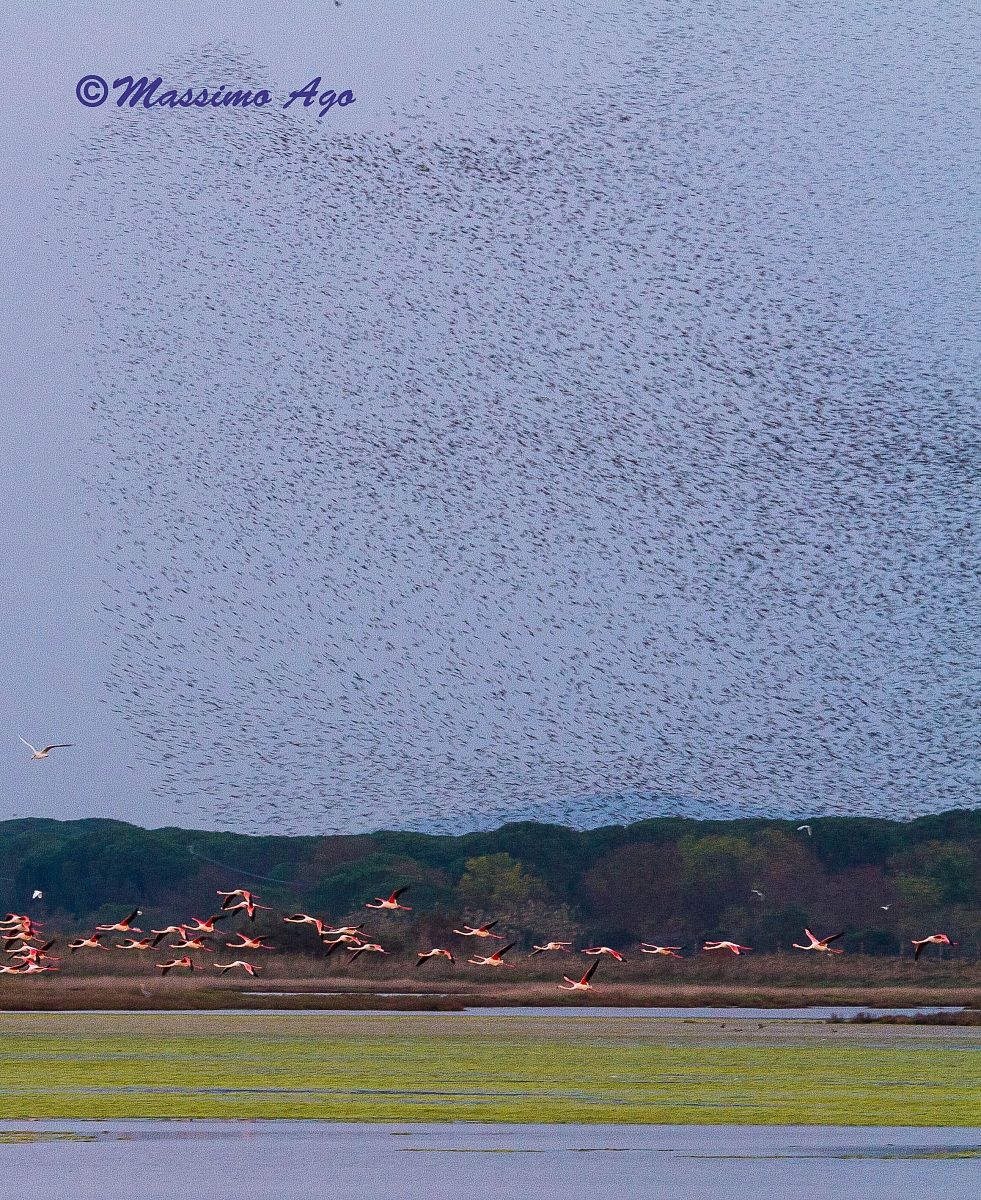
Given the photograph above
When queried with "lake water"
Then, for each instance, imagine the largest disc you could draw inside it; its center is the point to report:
(314, 1160)
(812, 1013)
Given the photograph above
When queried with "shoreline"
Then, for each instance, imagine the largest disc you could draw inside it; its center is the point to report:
(129, 993)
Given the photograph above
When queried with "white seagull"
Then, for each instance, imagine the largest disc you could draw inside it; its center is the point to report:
(37, 755)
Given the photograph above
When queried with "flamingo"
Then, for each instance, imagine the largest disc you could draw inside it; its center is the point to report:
(34, 968)
(492, 960)
(188, 944)
(19, 935)
(424, 955)
(37, 755)
(935, 939)
(176, 962)
(241, 893)
(550, 946)
(481, 931)
(306, 919)
(125, 925)
(342, 939)
(820, 944)
(94, 942)
(580, 985)
(168, 929)
(392, 902)
(605, 950)
(348, 930)
(666, 951)
(34, 953)
(734, 947)
(208, 926)
(22, 925)
(247, 967)
(367, 948)
(249, 907)
(248, 943)
(137, 944)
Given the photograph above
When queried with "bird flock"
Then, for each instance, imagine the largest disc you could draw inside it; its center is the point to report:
(562, 461)
(28, 953)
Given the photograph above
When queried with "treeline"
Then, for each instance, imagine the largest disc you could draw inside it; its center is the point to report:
(669, 879)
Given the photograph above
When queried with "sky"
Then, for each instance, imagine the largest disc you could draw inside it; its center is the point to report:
(615, 361)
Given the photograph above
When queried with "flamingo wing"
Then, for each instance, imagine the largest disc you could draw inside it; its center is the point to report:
(590, 973)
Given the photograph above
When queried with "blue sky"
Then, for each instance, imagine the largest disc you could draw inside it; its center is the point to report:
(754, 304)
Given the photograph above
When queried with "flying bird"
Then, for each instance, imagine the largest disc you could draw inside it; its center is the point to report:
(820, 944)
(185, 963)
(935, 939)
(732, 947)
(481, 931)
(392, 902)
(367, 948)
(492, 960)
(580, 985)
(94, 942)
(37, 755)
(666, 951)
(125, 925)
(248, 943)
(425, 955)
(238, 964)
(549, 946)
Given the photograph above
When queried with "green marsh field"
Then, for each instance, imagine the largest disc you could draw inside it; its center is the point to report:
(433, 1067)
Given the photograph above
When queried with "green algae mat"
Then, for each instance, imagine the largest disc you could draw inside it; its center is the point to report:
(521, 1069)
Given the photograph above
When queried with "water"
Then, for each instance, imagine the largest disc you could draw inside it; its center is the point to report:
(296, 1160)
(812, 1013)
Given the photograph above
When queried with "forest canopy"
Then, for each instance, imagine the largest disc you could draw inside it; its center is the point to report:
(670, 878)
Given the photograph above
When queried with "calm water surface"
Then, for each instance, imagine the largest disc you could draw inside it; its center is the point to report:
(813, 1013)
(314, 1160)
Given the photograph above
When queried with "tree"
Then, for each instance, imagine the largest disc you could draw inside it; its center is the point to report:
(717, 871)
(495, 883)
(634, 891)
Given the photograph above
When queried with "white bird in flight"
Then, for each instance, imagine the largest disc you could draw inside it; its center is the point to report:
(807, 828)
(37, 755)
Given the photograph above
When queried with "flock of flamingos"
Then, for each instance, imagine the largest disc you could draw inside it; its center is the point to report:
(28, 953)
